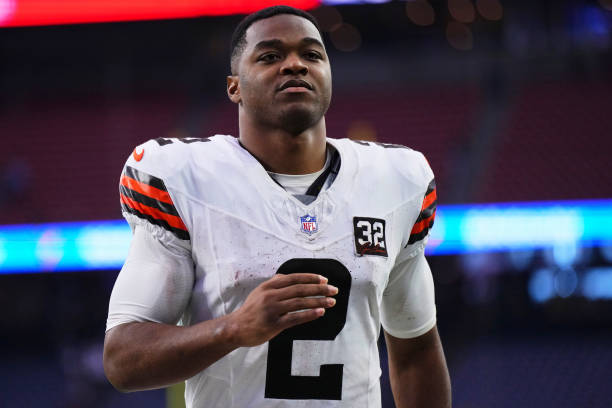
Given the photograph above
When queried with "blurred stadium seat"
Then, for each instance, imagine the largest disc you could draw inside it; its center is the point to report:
(555, 145)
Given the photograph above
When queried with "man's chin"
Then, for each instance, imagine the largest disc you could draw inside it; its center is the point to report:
(297, 119)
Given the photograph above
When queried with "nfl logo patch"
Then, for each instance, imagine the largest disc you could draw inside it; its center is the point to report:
(309, 224)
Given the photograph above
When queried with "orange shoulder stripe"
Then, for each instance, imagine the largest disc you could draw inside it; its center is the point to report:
(146, 189)
(429, 199)
(172, 220)
(421, 225)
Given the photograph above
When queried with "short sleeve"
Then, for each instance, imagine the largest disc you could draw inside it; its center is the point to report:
(156, 280)
(147, 198)
(408, 306)
(157, 277)
(419, 231)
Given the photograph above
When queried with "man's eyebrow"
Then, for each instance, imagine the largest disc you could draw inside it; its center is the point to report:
(312, 41)
(276, 43)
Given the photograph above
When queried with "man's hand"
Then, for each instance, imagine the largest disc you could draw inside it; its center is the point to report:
(281, 302)
(147, 355)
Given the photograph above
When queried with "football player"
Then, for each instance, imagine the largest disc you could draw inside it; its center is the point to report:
(262, 267)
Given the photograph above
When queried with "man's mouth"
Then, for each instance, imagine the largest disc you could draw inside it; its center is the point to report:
(295, 85)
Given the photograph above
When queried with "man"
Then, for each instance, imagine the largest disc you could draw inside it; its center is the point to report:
(280, 252)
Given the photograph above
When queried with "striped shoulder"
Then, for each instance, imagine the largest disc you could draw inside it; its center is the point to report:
(147, 197)
(425, 220)
(143, 191)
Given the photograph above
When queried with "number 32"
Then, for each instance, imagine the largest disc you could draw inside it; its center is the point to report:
(280, 384)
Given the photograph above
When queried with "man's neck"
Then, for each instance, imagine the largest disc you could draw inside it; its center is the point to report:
(282, 152)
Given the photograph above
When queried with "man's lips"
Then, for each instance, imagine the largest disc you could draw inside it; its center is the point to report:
(295, 85)
(295, 89)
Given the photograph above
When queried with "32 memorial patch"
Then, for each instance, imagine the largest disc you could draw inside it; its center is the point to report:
(370, 236)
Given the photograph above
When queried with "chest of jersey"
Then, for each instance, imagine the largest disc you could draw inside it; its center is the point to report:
(234, 255)
(246, 229)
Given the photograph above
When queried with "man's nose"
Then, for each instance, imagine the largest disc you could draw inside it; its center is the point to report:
(293, 65)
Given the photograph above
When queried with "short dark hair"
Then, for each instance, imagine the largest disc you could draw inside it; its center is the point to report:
(239, 37)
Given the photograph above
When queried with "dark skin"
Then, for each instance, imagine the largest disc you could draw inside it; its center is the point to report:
(417, 370)
(282, 85)
(140, 356)
(283, 129)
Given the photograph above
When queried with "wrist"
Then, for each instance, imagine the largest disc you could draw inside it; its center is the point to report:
(229, 330)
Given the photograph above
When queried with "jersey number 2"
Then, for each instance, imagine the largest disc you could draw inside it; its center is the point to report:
(280, 384)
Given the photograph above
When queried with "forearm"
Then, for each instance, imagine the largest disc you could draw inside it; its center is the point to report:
(139, 356)
(422, 379)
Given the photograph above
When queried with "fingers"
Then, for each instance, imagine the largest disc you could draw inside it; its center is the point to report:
(286, 300)
(280, 281)
(295, 304)
(305, 290)
(293, 319)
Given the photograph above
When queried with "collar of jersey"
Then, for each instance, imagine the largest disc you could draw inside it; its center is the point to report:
(339, 165)
(319, 178)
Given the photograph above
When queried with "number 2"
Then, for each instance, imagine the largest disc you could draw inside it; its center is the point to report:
(379, 236)
(280, 384)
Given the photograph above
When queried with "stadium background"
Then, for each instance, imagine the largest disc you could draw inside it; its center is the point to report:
(510, 102)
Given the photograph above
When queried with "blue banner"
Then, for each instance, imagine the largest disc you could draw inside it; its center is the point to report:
(458, 229)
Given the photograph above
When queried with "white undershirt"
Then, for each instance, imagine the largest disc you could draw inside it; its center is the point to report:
(298, 184)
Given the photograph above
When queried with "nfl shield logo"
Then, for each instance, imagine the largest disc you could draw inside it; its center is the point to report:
(309, 224)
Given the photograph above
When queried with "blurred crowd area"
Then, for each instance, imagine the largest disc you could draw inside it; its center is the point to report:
(509, 102)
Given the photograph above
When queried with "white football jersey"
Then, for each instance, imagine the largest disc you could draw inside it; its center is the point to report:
(210, 225)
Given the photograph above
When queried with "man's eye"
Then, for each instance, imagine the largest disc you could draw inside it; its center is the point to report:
(313, 55)
(269, 57)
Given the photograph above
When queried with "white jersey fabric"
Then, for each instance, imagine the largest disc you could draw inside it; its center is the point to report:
(210, 225)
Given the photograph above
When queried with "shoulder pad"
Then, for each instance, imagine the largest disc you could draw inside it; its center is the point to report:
(410, 164)
(162, 157)
(143, 188)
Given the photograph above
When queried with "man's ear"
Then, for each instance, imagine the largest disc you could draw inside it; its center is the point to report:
(233, 88)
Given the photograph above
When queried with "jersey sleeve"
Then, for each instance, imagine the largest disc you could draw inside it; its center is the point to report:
(155, 282)
(416, 240)
(146, 197)
(408, 306)
(157, 277)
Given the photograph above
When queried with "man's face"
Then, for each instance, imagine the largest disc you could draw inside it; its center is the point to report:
(283, 75)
